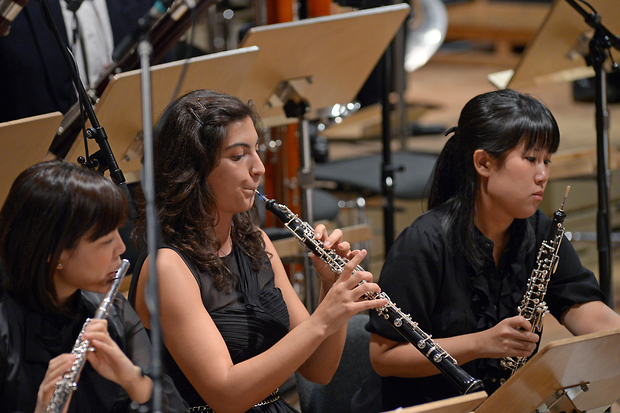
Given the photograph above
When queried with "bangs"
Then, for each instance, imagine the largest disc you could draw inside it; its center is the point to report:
(542, 139)
(109, 212)
(538, 128)
(535, 129)
(91, 206)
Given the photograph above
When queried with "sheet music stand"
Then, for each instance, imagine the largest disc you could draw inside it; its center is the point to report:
(465, 403)
(336, 52)
(119, 109)
(560, 373)
(558, 53)
(24, 142)
(304, 62)
(553, 55)
(309, 65)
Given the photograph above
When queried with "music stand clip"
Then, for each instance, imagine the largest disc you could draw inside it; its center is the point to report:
(289, 96)
(562, 400)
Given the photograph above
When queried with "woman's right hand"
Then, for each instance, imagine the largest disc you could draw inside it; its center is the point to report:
(344, 298)
(511, 337)
(112, 363)
(57, 367)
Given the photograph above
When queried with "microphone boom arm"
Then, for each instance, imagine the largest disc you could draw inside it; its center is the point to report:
(104, 159)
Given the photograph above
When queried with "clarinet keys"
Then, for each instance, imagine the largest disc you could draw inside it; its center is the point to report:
(402, 322)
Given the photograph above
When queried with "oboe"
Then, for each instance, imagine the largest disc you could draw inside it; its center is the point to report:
(533, 307)
(402, 322)
(68, 383)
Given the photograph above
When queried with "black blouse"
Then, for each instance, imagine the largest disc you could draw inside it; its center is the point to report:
(448, 296)
(29, 340)
(251, 318)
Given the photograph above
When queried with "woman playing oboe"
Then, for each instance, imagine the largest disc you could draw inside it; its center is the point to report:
(232, 324)
(462, 268)
(60, 249)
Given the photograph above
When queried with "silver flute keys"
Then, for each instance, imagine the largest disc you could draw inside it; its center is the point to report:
(400, 321)
(533, 307)
(67, 385)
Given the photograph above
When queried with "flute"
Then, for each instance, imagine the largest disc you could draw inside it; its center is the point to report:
(67, 385)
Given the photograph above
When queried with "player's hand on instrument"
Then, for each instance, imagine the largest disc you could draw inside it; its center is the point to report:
(111, 362)
(344, 299)
(56, 369)
(511, 337)
(332, 242)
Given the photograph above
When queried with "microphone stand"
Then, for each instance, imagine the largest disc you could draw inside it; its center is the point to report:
(392, 78)
(599, 49)
(145, 50)
(388, 169)
(103, 159)
(140, 39)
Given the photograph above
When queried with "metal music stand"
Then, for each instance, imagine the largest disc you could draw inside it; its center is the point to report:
(309, 65)
(577, 374)
(460, 404)
(119, 109)
(563, 50)
(23, 143)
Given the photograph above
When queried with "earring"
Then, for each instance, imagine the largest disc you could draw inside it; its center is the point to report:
(59, 266)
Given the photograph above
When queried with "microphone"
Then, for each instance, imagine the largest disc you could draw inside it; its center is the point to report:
(9, 9)
(145, 23)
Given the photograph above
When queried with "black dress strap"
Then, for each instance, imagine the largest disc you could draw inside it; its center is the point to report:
(133, 286)
(131, 295)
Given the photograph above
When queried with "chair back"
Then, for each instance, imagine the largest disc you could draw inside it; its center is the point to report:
(353, 369)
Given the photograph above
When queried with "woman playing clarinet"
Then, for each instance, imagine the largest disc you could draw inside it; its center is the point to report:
(461, 269)
(233, 327)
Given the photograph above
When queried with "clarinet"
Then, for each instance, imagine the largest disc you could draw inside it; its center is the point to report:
(400, 321)
(533, 307)
(67, 385)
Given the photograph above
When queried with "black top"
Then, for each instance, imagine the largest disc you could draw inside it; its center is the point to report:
(448, 297)
(29, 340)
(251, 318)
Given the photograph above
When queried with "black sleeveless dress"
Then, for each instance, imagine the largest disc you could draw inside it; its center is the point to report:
(251, 319)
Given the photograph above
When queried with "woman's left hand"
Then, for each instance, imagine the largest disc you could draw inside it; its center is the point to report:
(334, 242)
(112, 363)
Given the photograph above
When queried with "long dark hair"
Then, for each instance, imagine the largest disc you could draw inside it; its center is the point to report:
(496, 122)
(49, 208)
(188, 147)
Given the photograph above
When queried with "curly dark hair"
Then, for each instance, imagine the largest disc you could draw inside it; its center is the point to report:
(188, 146)
(496, 122)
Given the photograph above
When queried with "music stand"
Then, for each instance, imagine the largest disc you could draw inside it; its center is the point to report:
(554, 55)
(460, 404)
(569, 39)
(309, 65)
(24, 142)
(119, 109)
(576, 374)
(337, 53)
